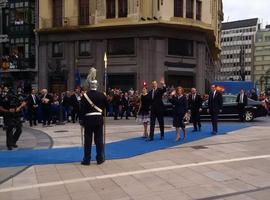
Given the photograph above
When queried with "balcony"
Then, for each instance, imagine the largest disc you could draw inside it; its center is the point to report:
(24, 29)
(63, 22)
(20, 64)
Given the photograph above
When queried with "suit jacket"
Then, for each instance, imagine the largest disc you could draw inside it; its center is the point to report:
(46, 105)
(245, 99)
(215, 103)
(180, 105)
(195, 105)
(156, 102)
(31, 103)
(74, 102)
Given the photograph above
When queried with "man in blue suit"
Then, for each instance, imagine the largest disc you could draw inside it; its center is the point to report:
(215, 103)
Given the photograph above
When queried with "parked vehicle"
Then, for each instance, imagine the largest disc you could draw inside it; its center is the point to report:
(253, 110)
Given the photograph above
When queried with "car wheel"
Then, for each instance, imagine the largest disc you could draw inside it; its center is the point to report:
(249, 116)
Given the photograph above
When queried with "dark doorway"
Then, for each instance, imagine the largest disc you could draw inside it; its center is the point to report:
(186, 82)
(123, 81)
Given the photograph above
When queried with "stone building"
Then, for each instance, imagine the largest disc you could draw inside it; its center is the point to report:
(262, 60)
(144, 40)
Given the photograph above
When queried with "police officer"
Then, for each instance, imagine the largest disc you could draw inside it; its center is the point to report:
(11, 106)
(93, 104)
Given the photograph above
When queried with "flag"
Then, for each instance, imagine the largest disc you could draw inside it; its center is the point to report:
(78, 78)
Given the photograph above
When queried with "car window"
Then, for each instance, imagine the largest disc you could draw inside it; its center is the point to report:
(229, 99)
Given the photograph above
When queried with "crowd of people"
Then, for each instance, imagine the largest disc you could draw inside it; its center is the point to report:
(146, 107)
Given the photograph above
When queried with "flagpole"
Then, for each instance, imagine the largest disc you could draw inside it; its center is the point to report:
(105, 91)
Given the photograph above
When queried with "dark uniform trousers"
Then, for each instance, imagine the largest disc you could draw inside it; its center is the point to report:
(13, 134)
(97, 131)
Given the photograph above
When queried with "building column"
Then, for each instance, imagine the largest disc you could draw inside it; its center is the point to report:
(194, 9)
(184, 8)
(200, 68)
(70, 62)
(100, 46)
(43, 66)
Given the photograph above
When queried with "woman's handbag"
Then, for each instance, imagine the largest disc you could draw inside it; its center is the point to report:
(186, 118)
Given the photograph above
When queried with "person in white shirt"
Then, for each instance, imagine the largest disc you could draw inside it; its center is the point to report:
(242, 101)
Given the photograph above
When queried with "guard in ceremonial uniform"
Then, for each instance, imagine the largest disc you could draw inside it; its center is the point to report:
(11, 106)
(93, 104)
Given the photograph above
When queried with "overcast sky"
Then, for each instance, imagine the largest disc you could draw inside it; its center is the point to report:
(244, 9)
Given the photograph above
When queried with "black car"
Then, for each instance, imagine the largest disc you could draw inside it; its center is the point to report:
(253, 110)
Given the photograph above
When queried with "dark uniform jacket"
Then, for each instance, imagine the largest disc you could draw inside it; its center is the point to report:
(11, 101)
(100, 100)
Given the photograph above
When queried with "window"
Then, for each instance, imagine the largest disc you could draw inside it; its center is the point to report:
(123, 46)
(178, 8)
(57, 49)
(84, 12)
(198, 10)
(189, 9)
(180, 47)
(84, 48)
(110, 9)
(122, 8)
(57, 13)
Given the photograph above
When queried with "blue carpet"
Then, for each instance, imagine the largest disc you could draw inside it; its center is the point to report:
(116, 150)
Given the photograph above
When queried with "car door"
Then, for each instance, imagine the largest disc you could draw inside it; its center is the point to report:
(229, 106)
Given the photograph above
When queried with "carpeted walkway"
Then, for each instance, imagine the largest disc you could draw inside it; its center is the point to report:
(116, 150)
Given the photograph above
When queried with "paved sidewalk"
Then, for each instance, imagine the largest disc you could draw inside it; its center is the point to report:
(232, 166)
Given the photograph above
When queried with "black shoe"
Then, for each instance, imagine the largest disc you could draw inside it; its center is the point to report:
(149, 139)
(214, 132)
(15, 145)
(199, 129)
(9, 148)
(194, 130)
(99, 162)
(84, 162)
(161, 137)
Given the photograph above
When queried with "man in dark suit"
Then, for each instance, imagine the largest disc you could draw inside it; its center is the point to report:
(32, 105)
(93, 104)
(195, 107)
(75, 101)
(215, 103)
(116, 101)
(125, 105)
(242, 101)
(157, 108)
(46, 101)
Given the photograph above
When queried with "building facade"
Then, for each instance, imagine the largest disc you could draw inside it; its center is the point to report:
(262, 60)
(237, 40)
(178, 40)
(18, 52)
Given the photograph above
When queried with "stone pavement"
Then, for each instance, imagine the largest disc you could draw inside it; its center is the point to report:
(232, 166)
